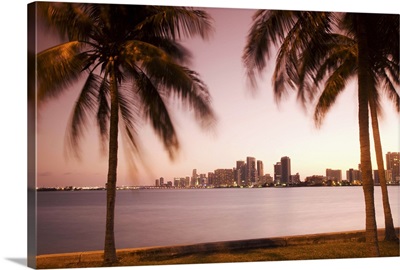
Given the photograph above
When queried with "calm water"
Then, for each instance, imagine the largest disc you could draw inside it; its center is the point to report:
(75, 221)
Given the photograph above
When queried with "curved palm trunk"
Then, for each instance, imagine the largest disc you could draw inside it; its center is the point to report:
(110, 255)
(364, 82)
(371, 235)
(390, 233)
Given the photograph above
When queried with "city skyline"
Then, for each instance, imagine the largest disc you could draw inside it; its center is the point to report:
(246, 174)
(250, 123)
(336, 174)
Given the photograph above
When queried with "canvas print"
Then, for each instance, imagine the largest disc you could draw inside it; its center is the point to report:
(165, 135)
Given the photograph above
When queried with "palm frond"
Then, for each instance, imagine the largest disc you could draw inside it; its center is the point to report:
(84, 106)
(72, 20)
(174, 49)
(198, 97)
(155, 110)
(268, 30)
(176, 22)
(59, 67)
(129, 113)
(129, 110)
(103, 112)
(287, 74)
(340, 49)
(316, 43)
(387, 70)
(172, 78)
(391, 91)
(160, 78)
(319, 61)
(185, 84)
(333, 87)
(383, 34)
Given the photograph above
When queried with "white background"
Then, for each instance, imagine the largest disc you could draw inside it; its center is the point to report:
(13, 143)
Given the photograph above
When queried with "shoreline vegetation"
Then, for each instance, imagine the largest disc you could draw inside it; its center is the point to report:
(72, 188)
(306, 247)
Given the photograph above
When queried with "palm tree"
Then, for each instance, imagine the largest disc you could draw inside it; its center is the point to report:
(342, 58)
(390, 233)
(306, 39)
(386, 68)
(133, 65)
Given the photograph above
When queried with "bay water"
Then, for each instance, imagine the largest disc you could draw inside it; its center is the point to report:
(71, 221)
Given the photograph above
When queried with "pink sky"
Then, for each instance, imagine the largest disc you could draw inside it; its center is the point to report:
(249, 124)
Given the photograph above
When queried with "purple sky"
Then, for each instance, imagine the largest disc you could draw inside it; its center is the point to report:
(249, 124)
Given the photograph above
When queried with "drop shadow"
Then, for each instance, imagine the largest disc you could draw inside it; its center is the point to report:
(20, 261)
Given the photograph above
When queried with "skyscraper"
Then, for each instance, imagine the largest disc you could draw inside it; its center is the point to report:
(286, 170)
(393, 164)
(334, 175)
(194, 180)
(223, 177)
(211, 179)
(161, 181)
(250, 171)
(353, 175)
(277, 173)
(260, 170)
(240, 172)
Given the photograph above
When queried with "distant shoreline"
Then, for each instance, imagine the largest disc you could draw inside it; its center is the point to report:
(47, 189)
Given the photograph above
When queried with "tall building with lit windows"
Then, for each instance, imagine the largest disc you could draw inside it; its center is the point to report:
(334, 175)
(260, 170)
(194, 179)
(353, 175)
(277, 173)
(240, 173)
(393, 164)
(286, 170)
(223, 178)
(251, 171)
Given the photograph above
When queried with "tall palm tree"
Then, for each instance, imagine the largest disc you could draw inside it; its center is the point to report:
(390, 233)
(133, 65)
(305, 38)
(341, 65)
(386, 68)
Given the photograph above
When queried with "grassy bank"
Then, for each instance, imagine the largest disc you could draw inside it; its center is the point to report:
(302, 252)
(334, 250)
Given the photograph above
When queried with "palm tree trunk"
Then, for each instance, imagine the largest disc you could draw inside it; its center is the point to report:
(364, 81)
(390, 233)
(371, 235)
(110, 255)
